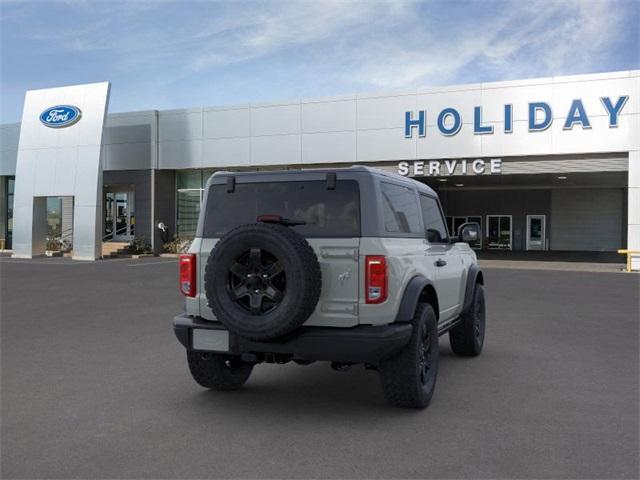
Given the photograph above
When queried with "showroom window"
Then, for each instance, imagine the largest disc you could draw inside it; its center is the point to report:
(11, 181)
(190, 185)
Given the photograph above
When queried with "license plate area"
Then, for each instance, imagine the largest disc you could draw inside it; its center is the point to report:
(210, 340)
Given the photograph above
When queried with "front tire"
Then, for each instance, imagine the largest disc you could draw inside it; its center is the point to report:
(218, 372)
(409, 378)
(467, 338)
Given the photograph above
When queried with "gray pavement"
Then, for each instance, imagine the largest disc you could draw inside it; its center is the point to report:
(94, 385)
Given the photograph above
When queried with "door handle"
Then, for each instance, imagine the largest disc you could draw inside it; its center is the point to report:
(440, 263)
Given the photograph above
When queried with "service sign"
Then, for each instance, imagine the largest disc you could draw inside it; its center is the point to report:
(443, 168)
(60, 116)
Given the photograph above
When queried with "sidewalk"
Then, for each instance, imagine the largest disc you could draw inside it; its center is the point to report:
(560, 261)
(558, 266)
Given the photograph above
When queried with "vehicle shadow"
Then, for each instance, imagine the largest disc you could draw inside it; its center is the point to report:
(290, 391)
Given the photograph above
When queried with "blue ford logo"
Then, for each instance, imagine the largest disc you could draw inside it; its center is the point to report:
(60, 116)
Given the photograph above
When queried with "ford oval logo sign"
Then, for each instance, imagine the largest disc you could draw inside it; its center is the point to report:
(60, 116)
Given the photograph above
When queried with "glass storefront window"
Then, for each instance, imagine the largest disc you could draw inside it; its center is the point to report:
(205, 176)
(188, 211)
(499, 232)
(189, 179)
(190, 185)
(11, 181)
(54, 216)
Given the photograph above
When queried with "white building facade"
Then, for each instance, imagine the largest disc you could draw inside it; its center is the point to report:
(542, 164)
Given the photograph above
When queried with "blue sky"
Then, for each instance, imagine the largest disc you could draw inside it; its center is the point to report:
(162, 54)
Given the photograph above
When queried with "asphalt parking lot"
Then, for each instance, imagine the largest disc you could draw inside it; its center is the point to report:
(94, 385)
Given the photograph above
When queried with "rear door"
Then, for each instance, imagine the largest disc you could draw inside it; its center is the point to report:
(338, 304)
(331, 225)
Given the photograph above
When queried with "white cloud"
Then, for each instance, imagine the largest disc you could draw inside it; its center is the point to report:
(373, 44)
(526, 39)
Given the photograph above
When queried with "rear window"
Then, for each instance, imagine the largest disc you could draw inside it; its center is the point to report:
(327, 213)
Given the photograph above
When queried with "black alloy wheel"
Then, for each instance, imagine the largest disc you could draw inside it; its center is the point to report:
(257, 281)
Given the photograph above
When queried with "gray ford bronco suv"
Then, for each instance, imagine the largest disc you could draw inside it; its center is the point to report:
(349, 266)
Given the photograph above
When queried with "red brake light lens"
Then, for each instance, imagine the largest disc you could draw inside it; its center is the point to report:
(188, 274)
(375, 279)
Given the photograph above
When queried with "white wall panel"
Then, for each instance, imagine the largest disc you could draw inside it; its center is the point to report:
(180, 154)
(86, 194)
(227, 123)
(599, 138)
(329, 116)
(332, 147)
(385, 112)
(462, 144)
(521, 140)
(227, 152)
(180, 125)
(276, 150)
(275, 120)
(127, 156)
(9, 136)
(8, 159)
(387, 144)
(494, 98)
(65, 172)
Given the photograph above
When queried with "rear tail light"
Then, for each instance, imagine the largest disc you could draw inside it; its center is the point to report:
(375, 278)
(188, 274)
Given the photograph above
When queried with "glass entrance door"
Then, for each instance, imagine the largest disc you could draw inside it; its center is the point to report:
(536, 232)
(499, 234)
(119, 220)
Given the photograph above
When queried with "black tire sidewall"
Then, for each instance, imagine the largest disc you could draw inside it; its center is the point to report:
(462, 337)
(302, 273)
(479, 299)
(400, 374)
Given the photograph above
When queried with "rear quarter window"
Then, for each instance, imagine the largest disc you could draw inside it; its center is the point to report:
(327, 213)
(400, 209)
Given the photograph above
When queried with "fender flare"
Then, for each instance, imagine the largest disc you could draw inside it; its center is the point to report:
(474, 276)
(410, 298)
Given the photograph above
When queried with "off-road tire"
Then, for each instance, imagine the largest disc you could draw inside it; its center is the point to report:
(218, 372)
(298, 298)
(403, 382)
(467, 338)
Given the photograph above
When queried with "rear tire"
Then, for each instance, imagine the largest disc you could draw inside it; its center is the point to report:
(467, 338)
(409, 378)
(218, 372)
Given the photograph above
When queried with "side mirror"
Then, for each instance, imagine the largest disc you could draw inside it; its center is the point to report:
(469, 232)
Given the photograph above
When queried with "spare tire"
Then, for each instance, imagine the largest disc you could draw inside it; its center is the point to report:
(262, 281)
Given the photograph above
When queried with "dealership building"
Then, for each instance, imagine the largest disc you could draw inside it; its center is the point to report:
(542, 164)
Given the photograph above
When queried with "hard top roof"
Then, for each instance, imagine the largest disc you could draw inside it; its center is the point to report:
(360, 169)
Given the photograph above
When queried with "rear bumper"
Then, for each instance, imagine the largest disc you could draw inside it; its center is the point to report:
(361, 344)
